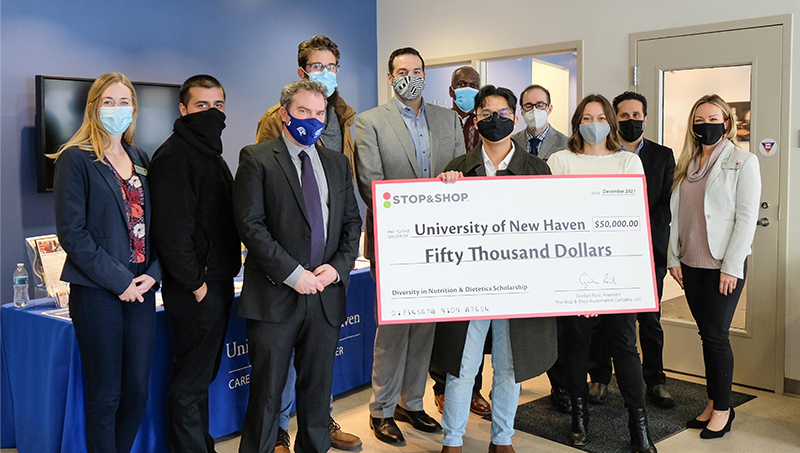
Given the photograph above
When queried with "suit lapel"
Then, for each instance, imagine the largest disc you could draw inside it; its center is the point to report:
(111, 180)
(399, 126)
(716, 169)
(547, 143)
(432, 116)
(290, 171)
(330, 171)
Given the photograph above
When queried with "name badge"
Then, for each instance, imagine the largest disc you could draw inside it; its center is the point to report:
(140, 170)
(729, 164)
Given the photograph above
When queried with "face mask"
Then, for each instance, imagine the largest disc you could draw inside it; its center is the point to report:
(326, 78)
(207, 126)
(708, 133)
(408, 87)
(535, 119)
(465, 98)
(631, 130)
(305, 131)
(594, 133)
(116, 119)
(495, 127)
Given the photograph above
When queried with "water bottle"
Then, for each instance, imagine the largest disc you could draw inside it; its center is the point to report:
(20, 286)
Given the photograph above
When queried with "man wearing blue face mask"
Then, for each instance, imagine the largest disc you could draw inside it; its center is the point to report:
(297, 214)
(464, 86)
(318, 60)
(402, 139)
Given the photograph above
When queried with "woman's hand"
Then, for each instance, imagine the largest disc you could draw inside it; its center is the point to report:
(449, 177)
(677, 274)
(132, 293)
(143, 284)
(727, 283)
(589, 315)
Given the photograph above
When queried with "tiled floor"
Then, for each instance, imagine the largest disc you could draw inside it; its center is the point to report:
(769, 423)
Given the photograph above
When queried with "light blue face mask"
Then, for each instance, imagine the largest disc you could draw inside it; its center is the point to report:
(326, 78)
(465, 98)
(116, 119)
(594, 133)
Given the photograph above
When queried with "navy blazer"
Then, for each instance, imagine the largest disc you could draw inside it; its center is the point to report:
(91, 223)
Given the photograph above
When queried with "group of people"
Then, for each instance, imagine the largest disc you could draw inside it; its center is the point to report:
(130, 225)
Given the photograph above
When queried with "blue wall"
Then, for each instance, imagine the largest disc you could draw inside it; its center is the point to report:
(249, 45)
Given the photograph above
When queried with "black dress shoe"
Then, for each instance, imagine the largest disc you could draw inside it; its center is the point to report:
(708, 434)
(386, 430)
(660, 396)
(697, 424)
(560, 399)
(640, 437)
(580, 422)
(597, 393)
(418, 419)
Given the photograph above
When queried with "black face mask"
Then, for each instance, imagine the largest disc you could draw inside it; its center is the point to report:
(708, 133)
(207, 126)
(495, 127)
(631, 130)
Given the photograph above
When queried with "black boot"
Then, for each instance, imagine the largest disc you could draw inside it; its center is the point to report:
(580, 422)
(640, 438)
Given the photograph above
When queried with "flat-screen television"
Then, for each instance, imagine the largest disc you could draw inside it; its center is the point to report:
(60, 102)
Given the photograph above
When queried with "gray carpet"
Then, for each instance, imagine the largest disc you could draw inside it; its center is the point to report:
(608, 423)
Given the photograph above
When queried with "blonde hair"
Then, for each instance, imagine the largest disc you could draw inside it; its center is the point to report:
(92, 136)
(691, 146)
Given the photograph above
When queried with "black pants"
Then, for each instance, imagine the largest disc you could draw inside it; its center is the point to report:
(557, 373)
(116, 341)
(621, 334)
(713, 314)
(199, 329)
(651, 339)
(270, 349)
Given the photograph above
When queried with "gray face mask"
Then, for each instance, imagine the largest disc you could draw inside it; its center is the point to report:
(408, 87)
(594, 133)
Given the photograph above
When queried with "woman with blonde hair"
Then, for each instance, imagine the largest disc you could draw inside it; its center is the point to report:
(595, 149)
(714, 207)
(102, 220)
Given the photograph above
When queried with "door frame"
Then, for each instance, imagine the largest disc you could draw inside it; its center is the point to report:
(785, 21)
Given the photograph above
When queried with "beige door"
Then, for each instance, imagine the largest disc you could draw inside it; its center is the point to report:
(743, 66)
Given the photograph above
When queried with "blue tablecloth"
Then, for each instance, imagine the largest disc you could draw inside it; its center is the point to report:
(41, 381)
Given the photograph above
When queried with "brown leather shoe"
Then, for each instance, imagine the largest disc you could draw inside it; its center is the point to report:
(340, 439)
(439, 401)
(501, 448)
(282, 442)
(446, 449)
(479, 405)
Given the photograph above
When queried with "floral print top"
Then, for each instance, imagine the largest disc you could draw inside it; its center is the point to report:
(133, 196)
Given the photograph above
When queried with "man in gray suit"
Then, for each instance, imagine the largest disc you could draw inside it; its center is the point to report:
(402, 139)
(539, 138)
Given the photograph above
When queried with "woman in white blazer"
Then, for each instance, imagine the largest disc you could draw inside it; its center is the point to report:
(714, 207)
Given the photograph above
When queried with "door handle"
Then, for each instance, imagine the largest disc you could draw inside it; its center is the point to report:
(763, 222)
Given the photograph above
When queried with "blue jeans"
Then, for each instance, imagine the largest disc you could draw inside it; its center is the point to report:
(287, 397)
(505, 390)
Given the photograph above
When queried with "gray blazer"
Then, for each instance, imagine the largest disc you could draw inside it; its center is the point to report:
(553, 141)
(383, 150)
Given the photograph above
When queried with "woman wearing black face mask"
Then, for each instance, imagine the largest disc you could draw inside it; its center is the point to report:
(595, 149)
(714, 208)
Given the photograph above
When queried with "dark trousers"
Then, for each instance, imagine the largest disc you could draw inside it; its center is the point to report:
(270, 349)
(116, 341)
(651, 339)
(621, 334)
(557, 373)
(199, 329)
(713, 314)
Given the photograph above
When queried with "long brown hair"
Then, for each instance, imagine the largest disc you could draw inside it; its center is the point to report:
(92, 136)
(691, 146)
(575, 142)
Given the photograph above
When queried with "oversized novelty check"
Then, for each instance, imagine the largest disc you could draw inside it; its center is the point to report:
(512, 247)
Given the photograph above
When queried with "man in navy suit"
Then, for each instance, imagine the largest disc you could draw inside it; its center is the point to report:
(296, 212)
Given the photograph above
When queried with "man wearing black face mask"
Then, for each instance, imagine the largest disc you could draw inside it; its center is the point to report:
(195, 235)
(521, 348)
(659, 169)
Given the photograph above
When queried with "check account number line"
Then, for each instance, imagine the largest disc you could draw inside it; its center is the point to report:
(615, 288)
(526, 259)
(496, 234)
(240, 369)
(460, 295)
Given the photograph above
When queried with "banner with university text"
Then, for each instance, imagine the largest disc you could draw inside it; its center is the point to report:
(512, 247)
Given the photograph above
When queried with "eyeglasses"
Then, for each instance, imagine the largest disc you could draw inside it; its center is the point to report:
(318, 67)
(505, 113)
(541, 105)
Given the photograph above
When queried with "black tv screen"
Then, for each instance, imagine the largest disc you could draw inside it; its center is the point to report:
(60, 102)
